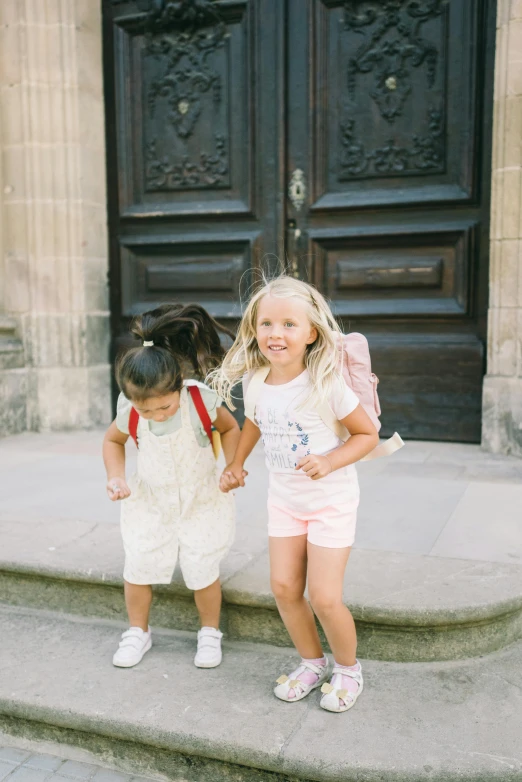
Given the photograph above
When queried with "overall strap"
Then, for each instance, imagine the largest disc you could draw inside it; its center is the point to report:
(254, 390)
(201, 410)
(133, 425)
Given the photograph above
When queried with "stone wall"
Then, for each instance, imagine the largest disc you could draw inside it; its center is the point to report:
(54, 255)
(502, 403)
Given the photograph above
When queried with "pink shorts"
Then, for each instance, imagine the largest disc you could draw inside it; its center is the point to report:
(332, 526)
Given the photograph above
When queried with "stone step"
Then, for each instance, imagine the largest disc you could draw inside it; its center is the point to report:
(427, 721)
(406, 607)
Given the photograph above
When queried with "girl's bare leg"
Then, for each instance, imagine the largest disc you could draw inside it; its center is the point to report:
(288, 559)
(208, 603)
(138, 599)
(326, 568)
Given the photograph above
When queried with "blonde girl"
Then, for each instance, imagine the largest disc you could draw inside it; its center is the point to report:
(172, 508)
(313, 488)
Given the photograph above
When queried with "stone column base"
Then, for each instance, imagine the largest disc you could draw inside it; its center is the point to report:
(502, 415)
(13, 401)
(13, 380)
(62, 398)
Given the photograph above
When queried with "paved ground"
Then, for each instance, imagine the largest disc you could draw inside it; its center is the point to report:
(434, 499)
(22, 765)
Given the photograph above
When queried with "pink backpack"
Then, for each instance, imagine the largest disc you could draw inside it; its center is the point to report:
(356, 369)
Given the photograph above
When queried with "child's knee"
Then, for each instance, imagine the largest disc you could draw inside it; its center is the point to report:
(325, 604)
(286, 590)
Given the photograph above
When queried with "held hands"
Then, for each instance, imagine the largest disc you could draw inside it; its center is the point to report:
(232, 477)
(117, 489)
(315, 467)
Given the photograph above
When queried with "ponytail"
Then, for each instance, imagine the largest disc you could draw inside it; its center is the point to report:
(184, 338)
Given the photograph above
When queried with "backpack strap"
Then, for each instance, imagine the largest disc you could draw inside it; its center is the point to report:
(134, 417)
(389, 446)
(394, 443)
(201, 410)
(254, 390)
(329, 418)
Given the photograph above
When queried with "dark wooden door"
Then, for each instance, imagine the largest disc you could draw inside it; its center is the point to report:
(350, 138)
(194, 129)
(388, 116)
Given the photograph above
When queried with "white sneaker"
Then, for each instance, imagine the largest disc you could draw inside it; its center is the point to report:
(133, 645)
(208, 654)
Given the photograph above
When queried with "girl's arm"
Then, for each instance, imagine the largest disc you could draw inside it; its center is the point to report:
(364, 438)
(228, 428)
(114, 460)
(234, 474)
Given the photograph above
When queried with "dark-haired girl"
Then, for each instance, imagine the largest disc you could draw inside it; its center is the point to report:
(172, 506)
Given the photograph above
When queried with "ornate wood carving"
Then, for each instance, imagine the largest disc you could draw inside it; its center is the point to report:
(425, 153)
(392, 49)
(165, 16)
(182, 36)
(188, 75)
(209, 171)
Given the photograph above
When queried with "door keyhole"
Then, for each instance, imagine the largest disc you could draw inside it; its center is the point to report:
(297, 189)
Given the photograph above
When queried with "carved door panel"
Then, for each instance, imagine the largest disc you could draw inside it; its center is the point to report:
(192, 96)
(388, 122)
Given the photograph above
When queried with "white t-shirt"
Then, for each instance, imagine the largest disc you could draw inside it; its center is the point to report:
(289, 433)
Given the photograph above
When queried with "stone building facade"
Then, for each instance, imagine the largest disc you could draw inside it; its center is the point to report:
(54, 311)
(502, 400)
(54, 321)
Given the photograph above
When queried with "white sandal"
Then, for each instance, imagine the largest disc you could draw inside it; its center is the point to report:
(301, 690)
(332, 698)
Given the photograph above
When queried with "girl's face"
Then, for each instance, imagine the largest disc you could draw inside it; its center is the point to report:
(158, 408)
(283, 331)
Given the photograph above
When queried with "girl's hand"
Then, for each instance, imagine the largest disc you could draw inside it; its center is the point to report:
(315, 467)
(227, 482)
(232, 477)
(117, 489)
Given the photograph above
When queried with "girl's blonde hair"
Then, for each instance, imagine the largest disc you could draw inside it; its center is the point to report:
(321, 356)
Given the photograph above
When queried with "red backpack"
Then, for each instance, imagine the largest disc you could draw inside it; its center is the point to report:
(202, 412)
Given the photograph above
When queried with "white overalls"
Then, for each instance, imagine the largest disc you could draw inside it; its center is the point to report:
(175, 506)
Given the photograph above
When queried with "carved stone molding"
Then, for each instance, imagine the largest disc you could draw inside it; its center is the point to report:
(424, 154)
(393, 47)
